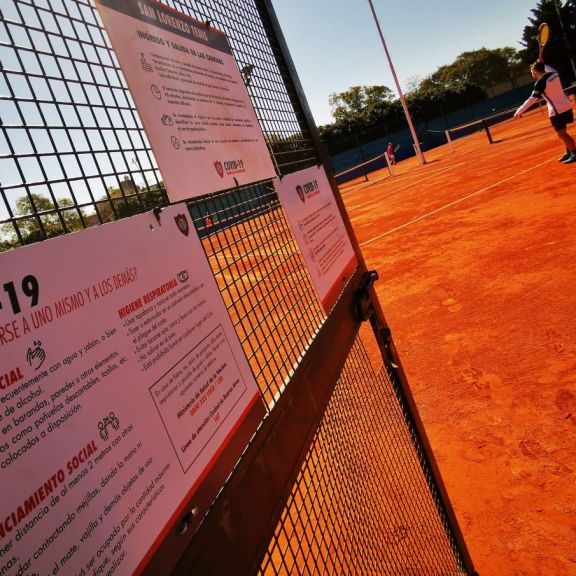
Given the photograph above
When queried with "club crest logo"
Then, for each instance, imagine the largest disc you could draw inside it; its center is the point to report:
(182, 223)
(300, 192)
(308, 190)
(219, 168)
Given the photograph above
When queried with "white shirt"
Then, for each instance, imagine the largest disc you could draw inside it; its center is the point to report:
(549, 87)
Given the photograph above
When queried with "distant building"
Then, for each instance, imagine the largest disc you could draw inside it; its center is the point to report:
(504, 87)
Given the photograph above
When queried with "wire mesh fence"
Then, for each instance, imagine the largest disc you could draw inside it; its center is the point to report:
(74, 154)
(363, 503)
(263, 280)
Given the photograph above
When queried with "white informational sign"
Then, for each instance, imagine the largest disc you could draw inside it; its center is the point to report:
(190, 96)
(313, 214)
(121, 381)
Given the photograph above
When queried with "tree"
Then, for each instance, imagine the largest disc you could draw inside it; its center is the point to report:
(559, 52)
(288, 149)
(129, 200)
(43, 220)
(482, 68)
(364, 113)
(508, 65)
(361, 114)
(360, 105)
(42, 214)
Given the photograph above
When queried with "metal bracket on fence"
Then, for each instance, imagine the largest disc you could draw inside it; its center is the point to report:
(385, 338)
(157, 211)
(186, 521)
(362, 303)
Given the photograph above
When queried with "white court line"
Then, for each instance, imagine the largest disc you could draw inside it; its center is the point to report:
(431, 174)
(400, 191)
(453, 203)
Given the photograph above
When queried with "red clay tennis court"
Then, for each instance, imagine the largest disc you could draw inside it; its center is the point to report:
(475, 251)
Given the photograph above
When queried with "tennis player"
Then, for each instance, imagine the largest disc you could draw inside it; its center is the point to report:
(549, 87)
(391, 151)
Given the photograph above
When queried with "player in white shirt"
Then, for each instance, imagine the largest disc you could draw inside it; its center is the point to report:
(549, 87)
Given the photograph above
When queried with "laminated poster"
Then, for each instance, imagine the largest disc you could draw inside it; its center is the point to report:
(190, 96)
(121, 380)
(311, 208)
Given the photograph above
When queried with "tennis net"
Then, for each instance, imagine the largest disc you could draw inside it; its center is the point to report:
(480, 125)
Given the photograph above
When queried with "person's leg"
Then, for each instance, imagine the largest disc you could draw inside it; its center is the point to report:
(560, 124)
(566, 139)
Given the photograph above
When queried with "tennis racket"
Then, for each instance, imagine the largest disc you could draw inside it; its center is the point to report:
(543, 36)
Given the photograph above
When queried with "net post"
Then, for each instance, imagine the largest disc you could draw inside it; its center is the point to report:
(485, 126)
(389, 164)
(418, 152)
(449, 140)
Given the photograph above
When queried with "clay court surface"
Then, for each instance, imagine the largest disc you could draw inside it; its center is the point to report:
(476, 256)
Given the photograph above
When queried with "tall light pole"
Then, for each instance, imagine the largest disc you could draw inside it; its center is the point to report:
(557, 4)
(402, 99)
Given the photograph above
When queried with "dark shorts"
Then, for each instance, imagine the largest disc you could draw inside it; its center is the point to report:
(560, 121)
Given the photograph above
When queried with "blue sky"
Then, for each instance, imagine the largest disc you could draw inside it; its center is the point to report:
(335, 43)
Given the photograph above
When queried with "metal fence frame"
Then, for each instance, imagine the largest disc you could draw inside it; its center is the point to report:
(73, 154)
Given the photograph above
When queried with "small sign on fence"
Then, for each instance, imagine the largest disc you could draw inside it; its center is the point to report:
(191, 97)
(122, 382)
(318, 227)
